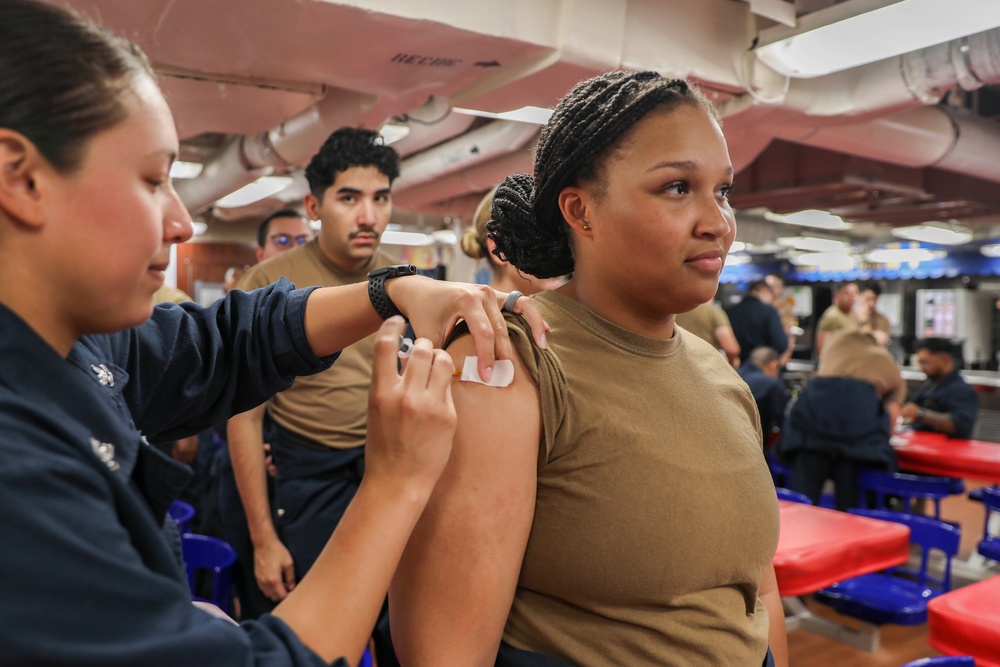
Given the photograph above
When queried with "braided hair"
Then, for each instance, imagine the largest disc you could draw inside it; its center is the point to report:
(527, 225)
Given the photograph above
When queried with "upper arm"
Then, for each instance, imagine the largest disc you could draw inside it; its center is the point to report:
(452, 592)
(727, 340)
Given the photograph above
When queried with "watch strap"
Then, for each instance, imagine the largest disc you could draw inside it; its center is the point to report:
(381, 302)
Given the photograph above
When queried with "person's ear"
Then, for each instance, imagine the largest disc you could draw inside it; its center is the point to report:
(574, 203)
(493, 259)
(21, 165)
(312, 204)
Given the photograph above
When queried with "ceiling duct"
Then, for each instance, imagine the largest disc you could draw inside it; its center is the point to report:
(292, 143)
(470, 149)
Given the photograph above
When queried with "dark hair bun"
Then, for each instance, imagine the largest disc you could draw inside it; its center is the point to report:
(542, 251)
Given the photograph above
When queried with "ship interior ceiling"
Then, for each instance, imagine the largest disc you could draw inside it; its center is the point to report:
(459, 88)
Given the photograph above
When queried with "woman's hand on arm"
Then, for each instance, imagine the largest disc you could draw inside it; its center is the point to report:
(338, 316)
(411, 423)
(451, 595)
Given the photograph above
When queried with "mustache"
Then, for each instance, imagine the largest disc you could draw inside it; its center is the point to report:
(358, 232)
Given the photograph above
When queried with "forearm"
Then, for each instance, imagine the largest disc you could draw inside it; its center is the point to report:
(777, 637)
(336, 317)
(336, 605)
(246, 450)
(939, 421)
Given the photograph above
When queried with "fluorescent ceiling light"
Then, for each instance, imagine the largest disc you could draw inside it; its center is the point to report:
(536, 115)
(393, 132)
(735, 259)
(394, 237)
(813, 244)
(830, 261)
(181, 169)
(941, 233)
(738, 246)
(856, 32)
(811, 218)
(903, 255)
(445, 237)
(263, 187)
(991, 250)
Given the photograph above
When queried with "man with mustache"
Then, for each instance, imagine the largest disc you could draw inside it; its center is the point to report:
(317, 427)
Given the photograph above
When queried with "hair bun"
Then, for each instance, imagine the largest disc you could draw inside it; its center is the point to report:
(470, 243)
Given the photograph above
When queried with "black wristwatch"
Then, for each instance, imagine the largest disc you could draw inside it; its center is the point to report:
(376, 288)
(920, 413)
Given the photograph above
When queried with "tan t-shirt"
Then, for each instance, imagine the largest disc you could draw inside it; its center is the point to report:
(329, 407)
(856, 355)
(655, 516)
(703, 321)
(834, 319)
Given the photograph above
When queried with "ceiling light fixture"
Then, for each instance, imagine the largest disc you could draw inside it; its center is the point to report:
(941, 233)
(182, 169)
(393, 132)
(394, 237)
(536, 115)
(263, 187)
(991, 250)
(828, 261)
(810, 218)
(856, 32)
(903, 255)
(813, 243)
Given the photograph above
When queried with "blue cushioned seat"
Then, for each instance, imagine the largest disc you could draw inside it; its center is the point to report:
(989, 547)
(908, 487)
(898, 595)
(792, 496)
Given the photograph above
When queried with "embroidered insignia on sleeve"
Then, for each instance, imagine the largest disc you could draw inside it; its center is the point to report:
(106, 452)
(104, 375)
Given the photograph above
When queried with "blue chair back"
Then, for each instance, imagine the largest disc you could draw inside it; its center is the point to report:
(366, 659)
(792, 496)
(900, 594)
(210, 555)
(907, 487)
(944, 661)
(182, 513)
(989, 546)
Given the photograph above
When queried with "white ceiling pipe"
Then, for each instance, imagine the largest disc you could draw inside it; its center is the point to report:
(246, 158)
(881, 98)
(472, 148)
(426, 133)
(481, 177)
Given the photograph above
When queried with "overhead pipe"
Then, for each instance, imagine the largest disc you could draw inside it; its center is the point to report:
(478, 178)
(887, 111)
(246, 158)
(472, 148)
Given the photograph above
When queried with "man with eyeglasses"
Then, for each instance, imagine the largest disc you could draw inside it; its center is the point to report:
(281, 231)
(317, 427)
(945, 403)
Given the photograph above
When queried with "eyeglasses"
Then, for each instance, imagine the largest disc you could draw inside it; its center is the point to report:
(286, 241)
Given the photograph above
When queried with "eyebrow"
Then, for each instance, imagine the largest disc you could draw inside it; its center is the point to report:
(354, 191)
(683, 165)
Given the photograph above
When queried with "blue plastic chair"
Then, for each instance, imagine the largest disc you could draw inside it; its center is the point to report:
(792, 496)
(182, 513)
(208, 554)
(907, 487)
(989, 546)
(944, 661)
(366, 659)
(779, 473)
(898, 595)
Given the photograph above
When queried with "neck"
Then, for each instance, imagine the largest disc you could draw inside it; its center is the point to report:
(626, 313)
